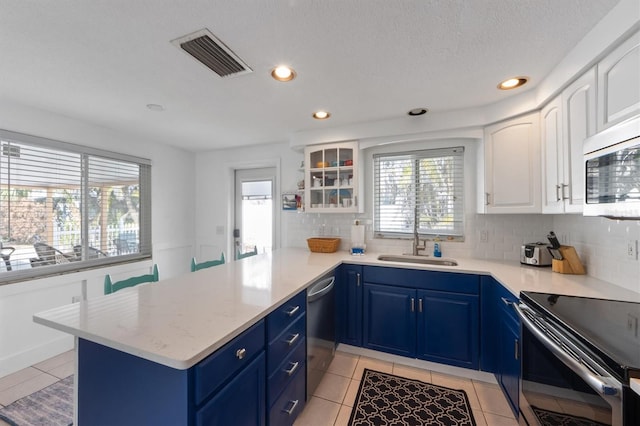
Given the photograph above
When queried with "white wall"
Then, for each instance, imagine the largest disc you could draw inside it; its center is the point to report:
(22, 342)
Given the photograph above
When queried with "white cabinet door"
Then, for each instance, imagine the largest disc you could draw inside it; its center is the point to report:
(619, 83)
(552, 157)
(579, 123)
(566, 122)
(512, 166)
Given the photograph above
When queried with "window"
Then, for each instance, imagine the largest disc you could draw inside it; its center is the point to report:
(419, 191)
(65, 207)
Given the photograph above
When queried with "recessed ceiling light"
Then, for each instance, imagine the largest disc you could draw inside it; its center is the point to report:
(512, 83)
(283, 73)
(155, 107)
(417, 111)
(321, 115)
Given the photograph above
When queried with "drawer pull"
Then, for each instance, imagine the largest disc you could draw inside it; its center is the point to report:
(506, 301)
(292, 311)
(240, 353)
(292, 340)
(294, 404)
(294, 367)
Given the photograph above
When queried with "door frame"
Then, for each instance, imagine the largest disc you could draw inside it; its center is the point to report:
(231, 208)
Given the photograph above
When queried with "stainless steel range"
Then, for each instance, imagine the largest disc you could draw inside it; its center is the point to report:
(578, 355)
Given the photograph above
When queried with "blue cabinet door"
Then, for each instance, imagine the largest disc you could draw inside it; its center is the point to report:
(390, 319)
(448, 328)
(349, 303)
(241, 402)
(509, 373)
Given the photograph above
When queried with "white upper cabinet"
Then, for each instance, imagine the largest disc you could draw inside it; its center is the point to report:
(332, 178)
(512, 166)
(619, 83)
(566, 122)
(552, 157)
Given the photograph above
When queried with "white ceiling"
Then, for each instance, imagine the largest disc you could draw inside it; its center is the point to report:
(103, 61)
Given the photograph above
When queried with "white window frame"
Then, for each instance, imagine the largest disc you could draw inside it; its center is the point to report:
(143, 250)
(451, 229)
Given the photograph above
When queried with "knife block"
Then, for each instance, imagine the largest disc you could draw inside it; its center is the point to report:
(570, 263)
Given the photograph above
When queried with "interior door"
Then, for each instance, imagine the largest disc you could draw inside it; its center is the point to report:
(254, 210)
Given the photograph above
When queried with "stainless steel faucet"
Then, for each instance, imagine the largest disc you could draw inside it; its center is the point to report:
(417, 248)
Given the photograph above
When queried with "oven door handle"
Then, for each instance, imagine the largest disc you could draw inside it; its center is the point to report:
(608, 389)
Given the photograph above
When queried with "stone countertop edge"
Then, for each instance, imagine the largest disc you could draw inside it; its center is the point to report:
(179, 321)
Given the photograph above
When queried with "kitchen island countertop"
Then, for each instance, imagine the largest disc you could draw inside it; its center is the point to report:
(179, 321)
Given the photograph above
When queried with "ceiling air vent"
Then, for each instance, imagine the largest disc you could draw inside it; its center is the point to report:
(213, 53)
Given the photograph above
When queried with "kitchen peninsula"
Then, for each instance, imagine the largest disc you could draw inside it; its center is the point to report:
(159, 336)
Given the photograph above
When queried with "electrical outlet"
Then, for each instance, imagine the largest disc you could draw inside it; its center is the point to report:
(484, 236)
(632, 249)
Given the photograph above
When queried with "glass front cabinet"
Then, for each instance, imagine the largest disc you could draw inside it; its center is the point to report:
(332, 178)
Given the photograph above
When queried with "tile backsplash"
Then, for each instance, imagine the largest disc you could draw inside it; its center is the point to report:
(601, 243)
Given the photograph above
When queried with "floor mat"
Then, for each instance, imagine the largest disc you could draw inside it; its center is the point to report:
(386, 399)
(551, 418)
(51, 406)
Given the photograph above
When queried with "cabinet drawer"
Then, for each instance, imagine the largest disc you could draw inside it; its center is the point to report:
(286, 314)
(286, 371)
(216, 369)
(285, 343)
(425, 280)
(291, 402)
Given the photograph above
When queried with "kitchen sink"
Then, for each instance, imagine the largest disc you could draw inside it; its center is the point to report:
(407, 258)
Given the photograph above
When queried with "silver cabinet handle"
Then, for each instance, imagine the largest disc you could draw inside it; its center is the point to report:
(564, 197)
(486, 198)
(292, 340)
(558, 193)
(506, 301)
(294, 367)
(240, 353)
(413, 304)
(292, 311)
(294, 404)
(358, 279)
(420, 304)
(516, 350)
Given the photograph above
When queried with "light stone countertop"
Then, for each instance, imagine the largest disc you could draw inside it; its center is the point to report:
(178, 322)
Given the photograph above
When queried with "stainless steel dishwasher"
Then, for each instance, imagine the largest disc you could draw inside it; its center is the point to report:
(321, 329)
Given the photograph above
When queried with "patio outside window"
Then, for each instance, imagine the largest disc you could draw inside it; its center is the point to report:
(65, 207)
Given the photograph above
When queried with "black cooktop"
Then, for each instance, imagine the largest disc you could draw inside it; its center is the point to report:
(610, 328)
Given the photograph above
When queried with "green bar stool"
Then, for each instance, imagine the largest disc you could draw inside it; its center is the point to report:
(111, 287)
(247, 254)
(207, 264)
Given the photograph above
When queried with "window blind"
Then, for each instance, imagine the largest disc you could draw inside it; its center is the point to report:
(419, 190)
(65, 208)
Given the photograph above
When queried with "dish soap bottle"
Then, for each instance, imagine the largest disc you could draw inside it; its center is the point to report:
(436, 250)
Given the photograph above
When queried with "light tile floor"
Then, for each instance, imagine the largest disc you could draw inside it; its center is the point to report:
(34, 378)
(331, 403)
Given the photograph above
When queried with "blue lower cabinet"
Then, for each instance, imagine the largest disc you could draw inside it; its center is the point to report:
(349, 305)
(419, 320)
(509, 355)
(390, 319)
(290, 403)
(242, 401)
(448, 328)
(116, 388)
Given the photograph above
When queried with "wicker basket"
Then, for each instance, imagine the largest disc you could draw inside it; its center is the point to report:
(323, 245)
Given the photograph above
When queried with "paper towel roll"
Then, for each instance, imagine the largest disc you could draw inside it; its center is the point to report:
(357, 236)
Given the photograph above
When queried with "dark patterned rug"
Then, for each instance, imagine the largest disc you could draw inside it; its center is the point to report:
(385, 399)
(551, 418)
(51, 406)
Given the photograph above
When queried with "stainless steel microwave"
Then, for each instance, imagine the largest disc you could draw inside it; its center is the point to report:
(612, 172)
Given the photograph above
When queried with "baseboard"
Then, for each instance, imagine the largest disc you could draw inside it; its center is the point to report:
(29, 357)
(418, 363)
